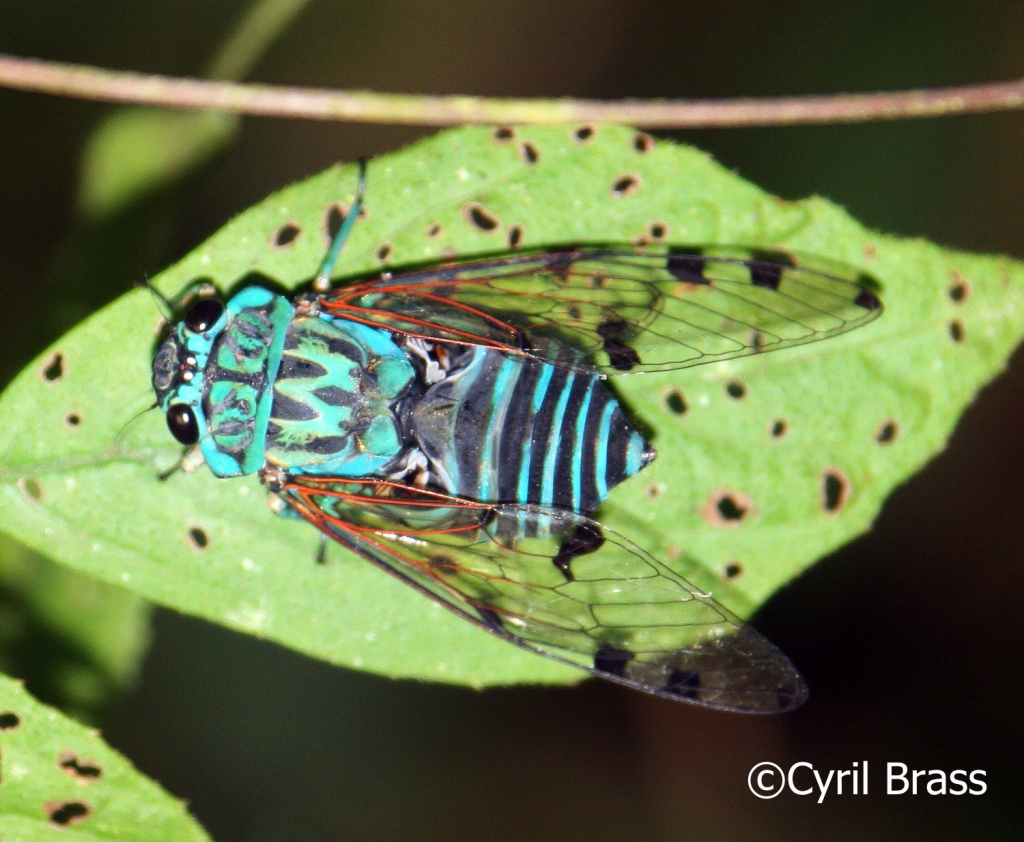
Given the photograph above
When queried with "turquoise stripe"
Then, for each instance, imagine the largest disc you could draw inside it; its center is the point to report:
(577, 460)
(539, 391)
(547, 494)
(510, 370)
(602, 449)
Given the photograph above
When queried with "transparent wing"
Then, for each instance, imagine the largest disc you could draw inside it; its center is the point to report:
(571, 589)
(623, 311)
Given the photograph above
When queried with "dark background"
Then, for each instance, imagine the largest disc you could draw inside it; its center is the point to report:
(910, 637)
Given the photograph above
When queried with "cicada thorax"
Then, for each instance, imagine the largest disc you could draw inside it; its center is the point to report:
(313, 394)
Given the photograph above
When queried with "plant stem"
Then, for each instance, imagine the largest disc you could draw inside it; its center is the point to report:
(360, 106)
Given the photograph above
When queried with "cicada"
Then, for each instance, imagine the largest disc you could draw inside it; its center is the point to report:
(454, 426)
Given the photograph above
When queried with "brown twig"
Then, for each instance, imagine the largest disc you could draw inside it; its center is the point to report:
(319, 104)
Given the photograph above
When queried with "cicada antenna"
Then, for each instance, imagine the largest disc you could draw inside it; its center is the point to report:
(162, 304)
(323, 277)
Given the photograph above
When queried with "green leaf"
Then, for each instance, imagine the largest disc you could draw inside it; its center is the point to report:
(76, 640)
(60, 778)
(765, 464)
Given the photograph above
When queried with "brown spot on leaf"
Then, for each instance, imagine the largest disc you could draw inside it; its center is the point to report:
(625, 185)
(53, 368)
(835, 490)
(480, 218)
(67, 813)
(31, 488)
(285, 236)
(728, 508)
(82, 770)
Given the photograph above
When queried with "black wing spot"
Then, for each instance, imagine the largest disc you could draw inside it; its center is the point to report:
(480, 218)
(736, 390)
(83, 770)
(584, 539)
(835, 490)
(685, 684)
(492, 620)
(503, 134)
(887, 433)
(676, 402)
(766, 275)
(867, 300)
(956, 331)
(687, 267)
(9, 720)
(515, 236)
(621, 356)
(612, 660)
(286, 235)
(583, 134)
(65, 813)
(530, 153)
(779, 428)
(625, 185)
(643, 143)
(53, 368)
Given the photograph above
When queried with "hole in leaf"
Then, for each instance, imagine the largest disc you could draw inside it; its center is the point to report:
(960, 289)
(624, 185)
(53, 368)
(515, 236)
(530, 153)
(80, 769)
(583, 134)
(65, 813)
(676, 402)
(956, 331)
(433, 230)
(334, 218)
(198, 539)
(835, 490)
(503, 134)
(657, 231)
(72, 420)
(887, 433)
(727, 508)
(733, 570)
(736, 390)
(286, 235)
(9, 720)
(479, 217)
(779, 428)
(383, 252)
(643, 143)
(31, 488)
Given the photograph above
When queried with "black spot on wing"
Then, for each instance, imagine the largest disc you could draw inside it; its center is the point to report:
(584, 539)
(684, 684)
(612, 660)
(868, 300)
(687, 267)
(621, 356)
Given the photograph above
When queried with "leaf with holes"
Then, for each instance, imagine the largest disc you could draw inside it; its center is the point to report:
(60, 776)
(765, 463)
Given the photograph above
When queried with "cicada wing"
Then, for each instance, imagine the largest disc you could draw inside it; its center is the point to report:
(612, 311)
(560, 584)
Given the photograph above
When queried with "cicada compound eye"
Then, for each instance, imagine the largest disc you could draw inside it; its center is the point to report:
(182, 423)
(203, 315)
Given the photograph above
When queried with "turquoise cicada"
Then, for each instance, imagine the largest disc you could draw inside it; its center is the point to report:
(452, 425)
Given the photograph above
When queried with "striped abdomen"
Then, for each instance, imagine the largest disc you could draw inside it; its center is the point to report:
(504, 429)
